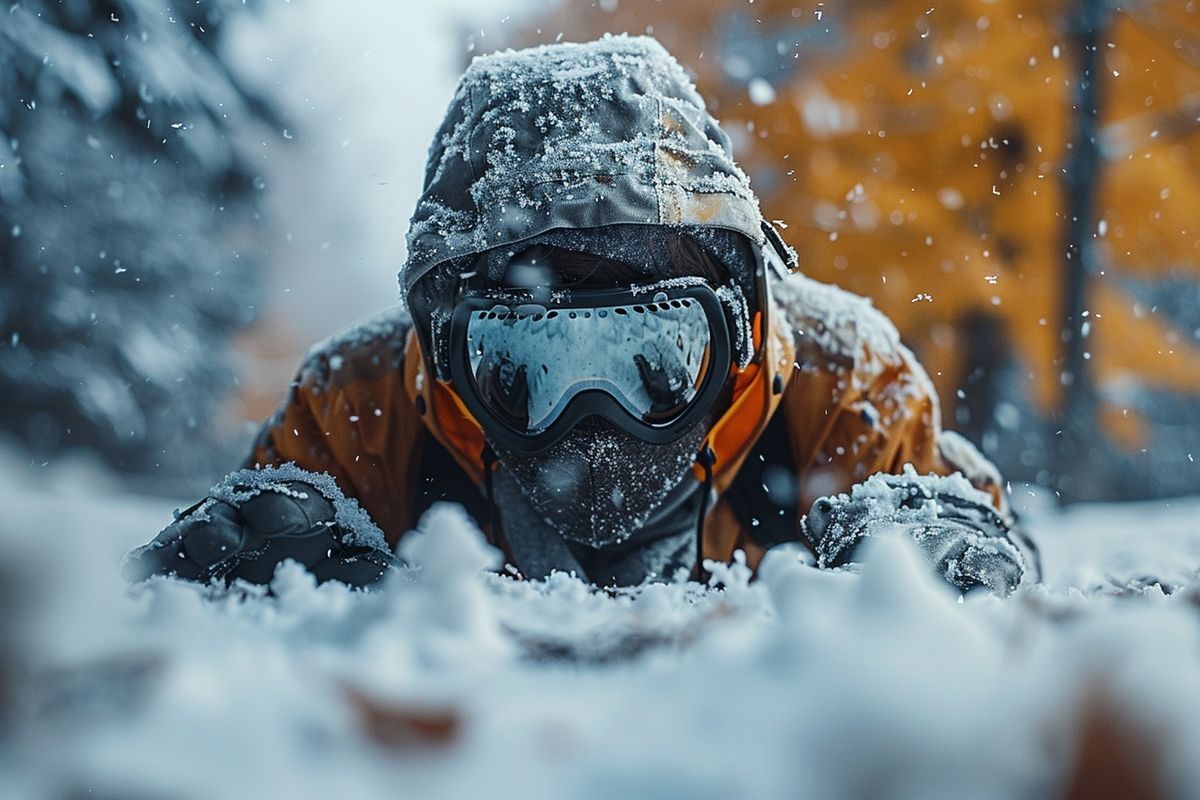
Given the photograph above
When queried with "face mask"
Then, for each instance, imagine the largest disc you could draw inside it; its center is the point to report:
(597, 485)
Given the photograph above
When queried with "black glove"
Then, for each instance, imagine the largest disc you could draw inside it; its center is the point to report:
(271, 521)
(965, 539)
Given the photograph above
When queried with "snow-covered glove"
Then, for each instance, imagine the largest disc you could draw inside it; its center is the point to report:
(952, 523)
(246, 527)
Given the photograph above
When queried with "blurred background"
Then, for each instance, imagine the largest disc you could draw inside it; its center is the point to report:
(192, 194)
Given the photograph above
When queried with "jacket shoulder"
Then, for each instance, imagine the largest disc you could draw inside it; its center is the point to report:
(830, 322)
(848, 348)
(365, 351)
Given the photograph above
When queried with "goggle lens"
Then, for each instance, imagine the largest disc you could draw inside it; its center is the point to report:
(529, 363)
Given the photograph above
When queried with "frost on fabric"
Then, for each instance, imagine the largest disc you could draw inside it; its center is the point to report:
(240, 486)
(841, 324)
(849, 335)
(606, 457)
(887, 495)
(885, 503)
(390, 327)
(964, 456)
(569, 88)
(612, 130)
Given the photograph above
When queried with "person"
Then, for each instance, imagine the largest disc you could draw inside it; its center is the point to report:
(609, 358)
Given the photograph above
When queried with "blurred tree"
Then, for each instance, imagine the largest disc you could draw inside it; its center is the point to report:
(124, 209)
(920, 154)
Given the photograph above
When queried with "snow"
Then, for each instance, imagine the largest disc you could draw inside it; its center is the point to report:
(846, 333)
(238, 487)
(1114, 547)
(452, 682)
(762, 93)
(966, 458)
(844, 325)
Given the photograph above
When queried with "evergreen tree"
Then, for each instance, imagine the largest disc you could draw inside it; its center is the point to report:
(124, 214)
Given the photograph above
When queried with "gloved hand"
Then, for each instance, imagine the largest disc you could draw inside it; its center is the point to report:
(216, 539)
(960, 533)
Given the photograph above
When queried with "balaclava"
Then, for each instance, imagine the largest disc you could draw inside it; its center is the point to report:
(603, 504)
(598, 485)
(561, 145)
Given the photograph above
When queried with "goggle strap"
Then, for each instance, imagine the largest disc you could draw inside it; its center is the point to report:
(707, 459)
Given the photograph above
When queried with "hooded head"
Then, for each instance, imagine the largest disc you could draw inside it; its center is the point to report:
(598, 148)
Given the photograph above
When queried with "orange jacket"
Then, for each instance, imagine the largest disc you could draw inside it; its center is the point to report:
(852, 400)
(576, 137)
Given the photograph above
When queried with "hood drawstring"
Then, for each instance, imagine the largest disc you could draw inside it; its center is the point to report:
(706, 458)
(498, 537)
(488, 457)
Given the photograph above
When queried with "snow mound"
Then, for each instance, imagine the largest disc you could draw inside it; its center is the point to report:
(804, 682)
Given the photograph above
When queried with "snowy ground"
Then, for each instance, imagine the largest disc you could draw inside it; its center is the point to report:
(453, 683)
(457, 683)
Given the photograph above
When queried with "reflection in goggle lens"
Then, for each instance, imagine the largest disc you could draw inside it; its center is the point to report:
(528, 364)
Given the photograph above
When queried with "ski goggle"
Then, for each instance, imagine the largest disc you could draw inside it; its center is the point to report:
(651, 361)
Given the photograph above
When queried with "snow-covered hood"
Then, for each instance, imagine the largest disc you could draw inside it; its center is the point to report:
(570, 137)
(574, 136)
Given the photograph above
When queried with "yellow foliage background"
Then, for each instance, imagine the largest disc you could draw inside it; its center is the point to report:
(915, 153)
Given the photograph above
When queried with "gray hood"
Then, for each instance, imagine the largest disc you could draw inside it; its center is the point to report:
(574, 136)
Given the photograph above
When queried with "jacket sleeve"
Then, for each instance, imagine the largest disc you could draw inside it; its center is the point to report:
(859, 403)
(347, 414)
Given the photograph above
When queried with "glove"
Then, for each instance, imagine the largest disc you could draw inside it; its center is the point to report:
(246, 540)
(964, 538)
